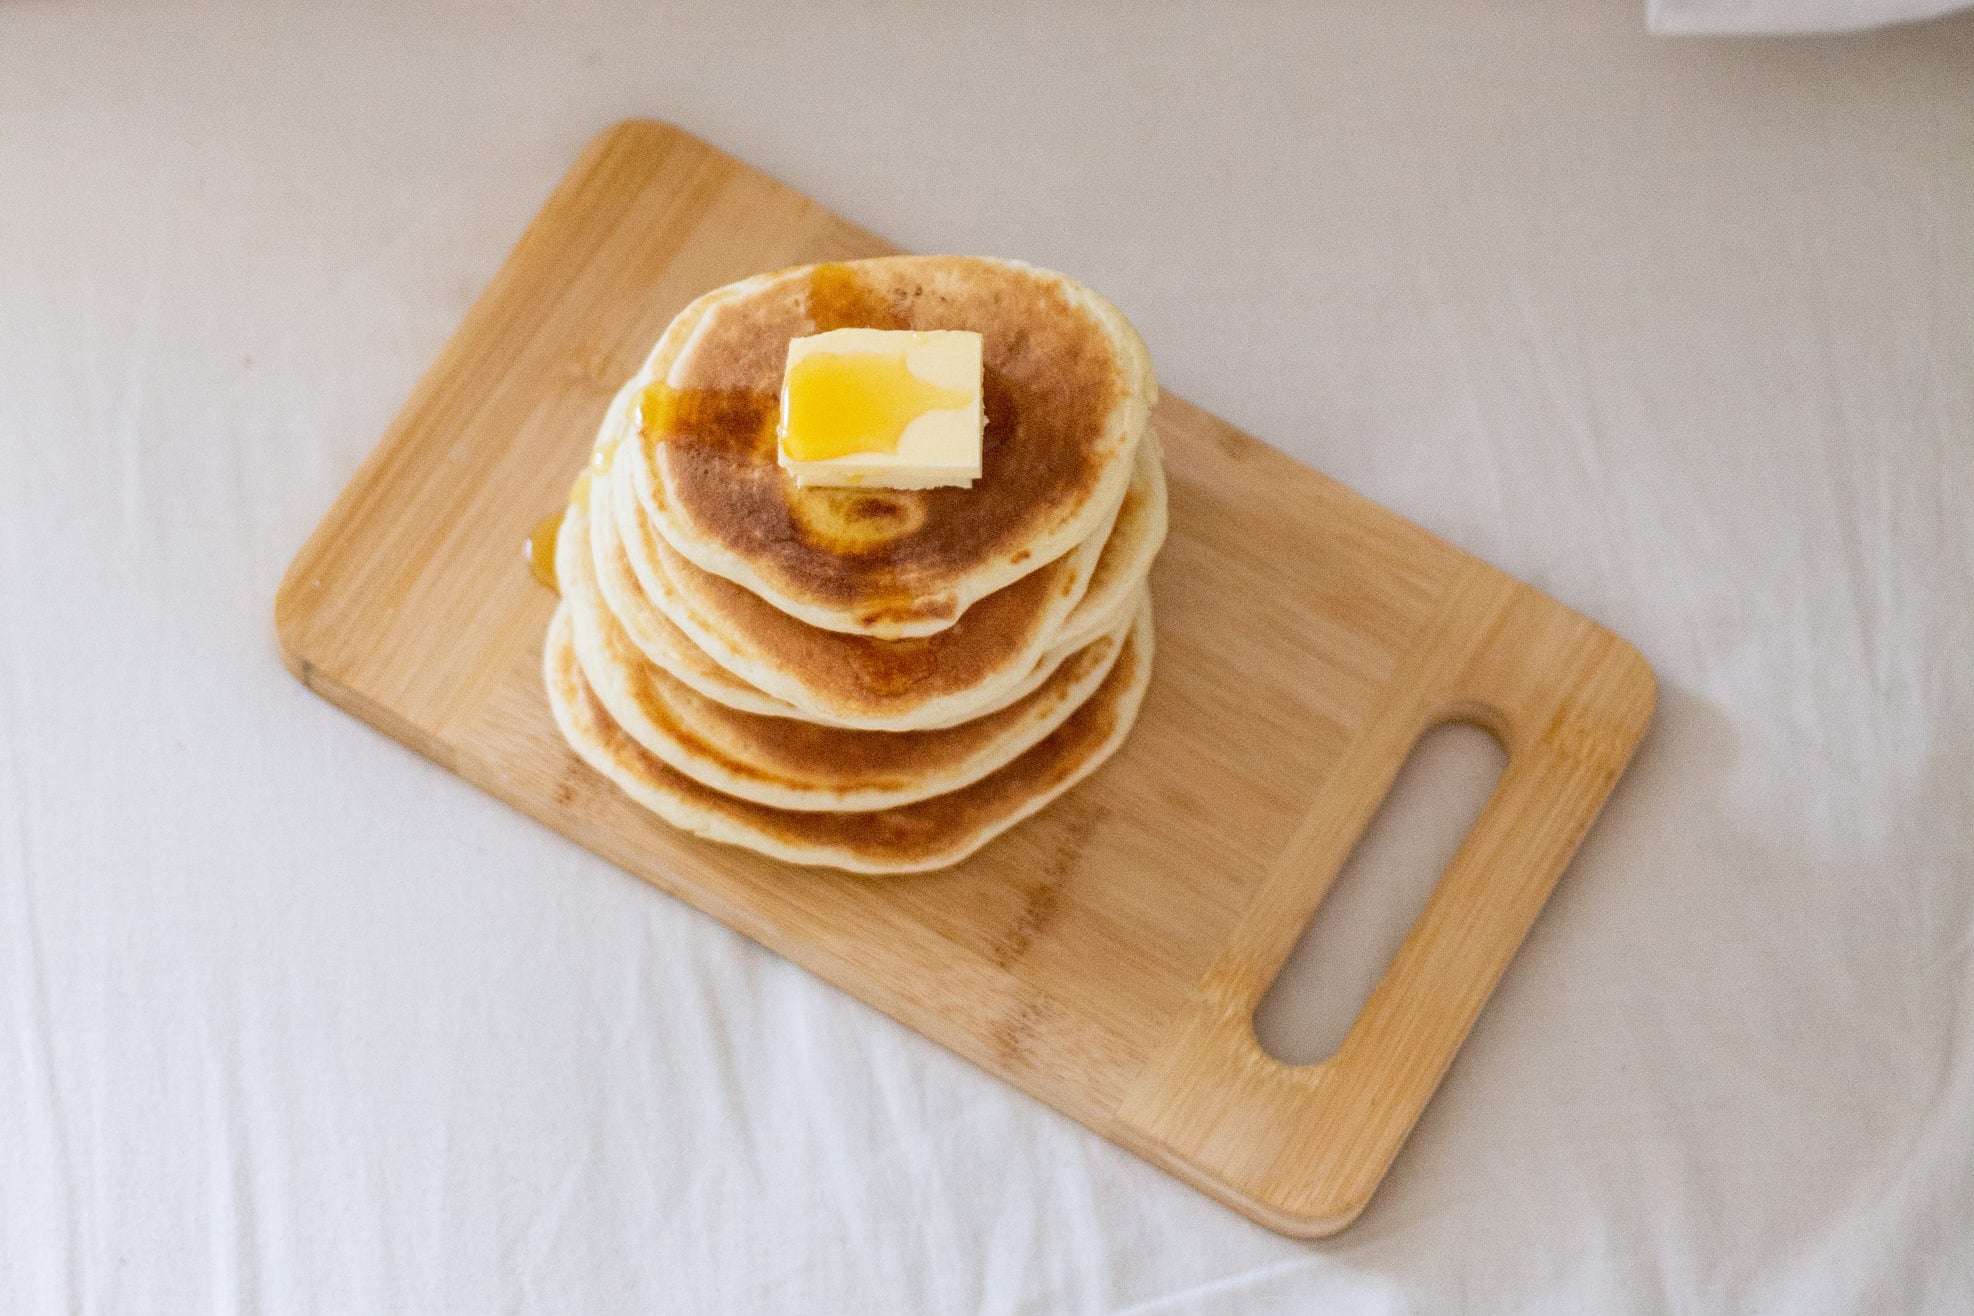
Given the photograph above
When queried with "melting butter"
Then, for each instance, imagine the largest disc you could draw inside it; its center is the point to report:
(883, 408)
(841, 403)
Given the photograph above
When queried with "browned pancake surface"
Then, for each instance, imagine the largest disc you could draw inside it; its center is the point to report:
(784, 750)
(860, 672)
(1052, 382)
(899, 838)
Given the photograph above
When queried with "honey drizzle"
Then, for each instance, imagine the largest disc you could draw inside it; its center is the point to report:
(740, 421)
(539, 547)
(840, 299)
(539, 550)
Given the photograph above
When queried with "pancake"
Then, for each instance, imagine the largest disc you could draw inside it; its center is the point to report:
(1135, 538)
(932, 833)
(721, 664)
(798, 765)
(903, 684)
(1067, 387)
(595, 572)
(589, 556)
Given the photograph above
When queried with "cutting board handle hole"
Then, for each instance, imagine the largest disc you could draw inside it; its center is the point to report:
(1435, 800)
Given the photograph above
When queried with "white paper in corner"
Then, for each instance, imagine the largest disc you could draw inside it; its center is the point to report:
(1785, 17)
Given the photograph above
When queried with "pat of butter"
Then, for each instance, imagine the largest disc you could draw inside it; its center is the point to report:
(882, 408)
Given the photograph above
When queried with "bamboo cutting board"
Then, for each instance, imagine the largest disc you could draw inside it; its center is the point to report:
(1107, 955)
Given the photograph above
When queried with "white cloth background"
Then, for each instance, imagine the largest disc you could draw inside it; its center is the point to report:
(293, 1021)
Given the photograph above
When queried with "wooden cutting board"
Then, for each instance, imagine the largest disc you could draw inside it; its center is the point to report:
(1107, 955)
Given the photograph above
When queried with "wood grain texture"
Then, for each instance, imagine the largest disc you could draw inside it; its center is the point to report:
(1107, 955)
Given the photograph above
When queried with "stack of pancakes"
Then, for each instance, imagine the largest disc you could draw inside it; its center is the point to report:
(874, 679)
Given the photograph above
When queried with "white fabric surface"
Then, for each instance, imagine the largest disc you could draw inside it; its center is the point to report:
(1782, 17)
(293, 1021)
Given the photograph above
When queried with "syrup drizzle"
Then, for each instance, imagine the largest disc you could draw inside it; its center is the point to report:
(740, 421)
(539, 547)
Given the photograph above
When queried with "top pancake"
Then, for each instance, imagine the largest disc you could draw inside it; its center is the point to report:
(1067, 387)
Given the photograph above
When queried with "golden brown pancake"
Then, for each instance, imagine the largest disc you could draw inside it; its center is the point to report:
(590, 549)
(800, 765)
(596, 573)
(924, 681)
(930, 834)
(1067, 391)
(1135, 538)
